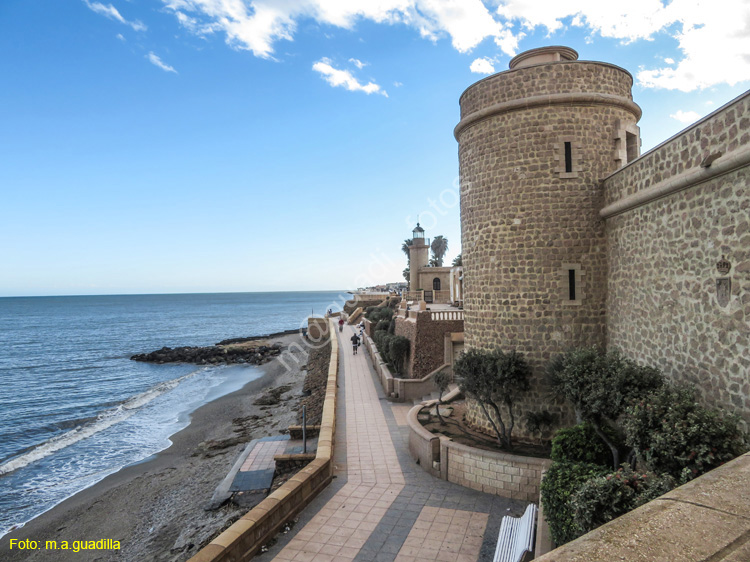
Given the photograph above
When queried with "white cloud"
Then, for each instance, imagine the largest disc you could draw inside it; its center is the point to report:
(343, 78)
(358, 63)
(712, 44)
(109, 11)
(156, 61)
(398, 84)
(483, 66)
(120, 37)
(255, 25)
(685, 116)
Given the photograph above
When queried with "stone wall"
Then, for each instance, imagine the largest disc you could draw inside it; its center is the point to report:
(663, 306)
(725, 130)
(526, 222)
(500, 474)
(554, 78)
(363, 302)
(427, 338)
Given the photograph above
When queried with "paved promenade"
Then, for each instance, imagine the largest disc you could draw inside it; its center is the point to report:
(382, 506)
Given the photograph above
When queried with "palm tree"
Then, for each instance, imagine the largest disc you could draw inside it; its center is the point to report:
(439, 246)
(405, 247)
(458, 260)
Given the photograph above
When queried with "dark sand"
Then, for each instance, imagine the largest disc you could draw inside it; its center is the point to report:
(155, 509)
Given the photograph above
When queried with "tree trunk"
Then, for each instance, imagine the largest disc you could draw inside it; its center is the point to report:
(615, 452)
(492, 423)
(502, 425)
(437, 408)
(512, 423)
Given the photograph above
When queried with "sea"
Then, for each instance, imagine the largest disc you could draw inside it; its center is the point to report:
(74, 408)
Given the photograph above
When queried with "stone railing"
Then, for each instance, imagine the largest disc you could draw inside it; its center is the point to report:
(501, 474)
(437, 315)
(241, 541)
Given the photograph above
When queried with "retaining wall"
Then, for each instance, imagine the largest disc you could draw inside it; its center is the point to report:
(501, 474)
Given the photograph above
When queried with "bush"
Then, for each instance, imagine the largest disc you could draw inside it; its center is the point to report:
(377, 313)
(600, 386)
(382, 325)
(672, 433)
(604, 498)
(381, 337)
(581, 443)
(561, 482)
(398, 351)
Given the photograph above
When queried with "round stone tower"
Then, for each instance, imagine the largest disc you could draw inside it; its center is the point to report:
(534, 142)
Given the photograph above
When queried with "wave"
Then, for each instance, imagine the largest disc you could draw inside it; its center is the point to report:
(103, 421)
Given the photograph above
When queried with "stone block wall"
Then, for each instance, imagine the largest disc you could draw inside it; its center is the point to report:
(501, 474)
(664, 306)
(427, 337)
(725, 130)
(526, 222)
(553, 78)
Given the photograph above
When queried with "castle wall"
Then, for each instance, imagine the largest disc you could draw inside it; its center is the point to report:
(427, 336)
(526, 222)
(663, 304)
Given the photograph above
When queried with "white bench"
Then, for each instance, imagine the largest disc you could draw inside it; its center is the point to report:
(516, 536)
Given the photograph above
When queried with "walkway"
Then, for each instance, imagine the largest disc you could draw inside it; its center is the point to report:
(381, 506)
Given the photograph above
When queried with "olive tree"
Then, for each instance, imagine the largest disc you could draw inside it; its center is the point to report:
(494, 379)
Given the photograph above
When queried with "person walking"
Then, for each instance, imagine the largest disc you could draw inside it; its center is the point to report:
(341, 324)
(355, 343)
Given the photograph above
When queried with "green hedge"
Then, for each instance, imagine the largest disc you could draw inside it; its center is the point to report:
(561, 482)
(672, 433)
(605, 498)
(581, 443)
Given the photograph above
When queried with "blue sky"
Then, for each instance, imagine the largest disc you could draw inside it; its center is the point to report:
(239, 145)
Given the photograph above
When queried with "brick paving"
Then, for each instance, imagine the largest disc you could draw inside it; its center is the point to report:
(381, 506)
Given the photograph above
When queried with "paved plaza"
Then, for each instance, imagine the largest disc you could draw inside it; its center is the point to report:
(382, 506)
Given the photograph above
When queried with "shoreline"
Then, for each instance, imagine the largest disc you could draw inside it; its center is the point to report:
(155, 507)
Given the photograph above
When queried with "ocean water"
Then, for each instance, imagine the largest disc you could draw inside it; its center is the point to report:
(74, 408)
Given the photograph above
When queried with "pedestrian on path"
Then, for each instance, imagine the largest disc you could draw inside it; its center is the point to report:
(355, 342)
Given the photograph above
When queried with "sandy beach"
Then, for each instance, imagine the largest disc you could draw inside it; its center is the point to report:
(155, 509)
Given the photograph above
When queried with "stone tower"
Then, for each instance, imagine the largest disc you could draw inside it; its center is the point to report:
(534, 143)
(419, 253)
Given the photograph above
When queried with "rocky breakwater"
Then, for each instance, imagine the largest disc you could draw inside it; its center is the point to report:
(245, 352)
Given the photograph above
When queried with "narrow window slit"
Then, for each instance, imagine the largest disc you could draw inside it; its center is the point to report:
(568, 157)
(572, 284)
